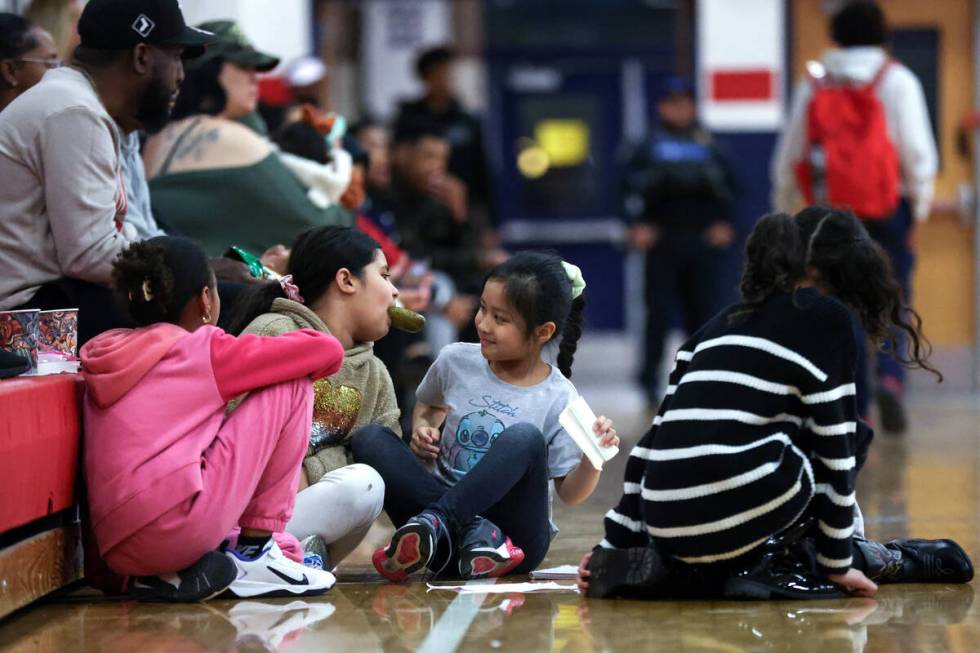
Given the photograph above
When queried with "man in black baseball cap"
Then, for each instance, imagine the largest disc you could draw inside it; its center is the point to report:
(133, 51)
(121, 24)
(63, 200)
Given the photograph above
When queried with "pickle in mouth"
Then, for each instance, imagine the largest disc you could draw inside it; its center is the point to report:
(405, 320)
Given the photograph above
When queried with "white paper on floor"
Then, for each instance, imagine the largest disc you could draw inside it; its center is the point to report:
(563, 572)
(507, 588)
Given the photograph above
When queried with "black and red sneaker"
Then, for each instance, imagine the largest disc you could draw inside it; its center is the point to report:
(412, 547)
(486, 552)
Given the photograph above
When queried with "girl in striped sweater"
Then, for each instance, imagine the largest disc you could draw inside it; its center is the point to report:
(759, 429)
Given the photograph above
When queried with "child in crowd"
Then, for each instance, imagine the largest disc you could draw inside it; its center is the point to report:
(169, 476)
(338, 284)
(759, 436)
(486, 442)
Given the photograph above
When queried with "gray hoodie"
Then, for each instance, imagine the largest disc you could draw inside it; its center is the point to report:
(360, 393)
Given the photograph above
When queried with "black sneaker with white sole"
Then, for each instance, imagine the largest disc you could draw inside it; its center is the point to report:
(206, 578)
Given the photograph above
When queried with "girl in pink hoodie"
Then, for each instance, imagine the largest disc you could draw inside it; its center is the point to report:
(169, 475)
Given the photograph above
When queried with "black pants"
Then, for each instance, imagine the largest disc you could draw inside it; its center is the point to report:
(894, 235)
(509, 486)
(682, 273)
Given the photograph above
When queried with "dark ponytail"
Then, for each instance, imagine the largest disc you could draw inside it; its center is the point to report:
(773, 262)
(316, 256)
(856, 270)
(537, 286)
(570, 336)
(155, 279)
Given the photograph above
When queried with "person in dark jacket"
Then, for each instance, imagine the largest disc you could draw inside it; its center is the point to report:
(678, 196)
(467, 159)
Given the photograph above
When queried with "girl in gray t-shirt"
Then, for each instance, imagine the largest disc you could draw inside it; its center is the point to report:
(488, 448)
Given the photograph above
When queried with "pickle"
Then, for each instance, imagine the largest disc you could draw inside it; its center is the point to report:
(405, 320)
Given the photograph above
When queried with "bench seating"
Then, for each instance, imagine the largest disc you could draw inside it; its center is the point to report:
(40, 439)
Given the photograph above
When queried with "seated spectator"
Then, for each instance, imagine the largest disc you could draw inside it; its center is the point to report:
(26, 53)
(338, 284)
(219, 182)
(420, 198)
(439, 105)
(63, 203)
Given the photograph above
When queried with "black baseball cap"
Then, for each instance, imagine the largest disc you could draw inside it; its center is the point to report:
(121, 24)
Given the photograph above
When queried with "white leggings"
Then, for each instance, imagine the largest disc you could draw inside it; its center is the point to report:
(340, 508)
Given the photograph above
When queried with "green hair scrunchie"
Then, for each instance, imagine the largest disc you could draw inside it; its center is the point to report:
(574, 273)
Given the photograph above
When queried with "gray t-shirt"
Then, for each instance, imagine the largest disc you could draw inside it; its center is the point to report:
(481, 406)
(61, 206)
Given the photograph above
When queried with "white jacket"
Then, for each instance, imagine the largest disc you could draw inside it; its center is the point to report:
(905, 113)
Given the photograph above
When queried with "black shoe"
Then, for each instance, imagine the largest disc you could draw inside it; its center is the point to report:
(778, 576)
(636, 572)
(486, 552)
(892, 410)
(923, 561)
(206, 578)
(414, 547)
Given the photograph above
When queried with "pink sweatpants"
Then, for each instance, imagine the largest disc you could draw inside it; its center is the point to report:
(250, 476)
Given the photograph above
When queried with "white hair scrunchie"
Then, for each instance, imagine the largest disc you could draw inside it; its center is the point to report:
(574, 273)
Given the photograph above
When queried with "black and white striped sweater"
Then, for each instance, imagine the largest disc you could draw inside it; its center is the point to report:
(758, 425)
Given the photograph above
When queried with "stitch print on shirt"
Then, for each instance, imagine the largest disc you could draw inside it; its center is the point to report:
(475, 435)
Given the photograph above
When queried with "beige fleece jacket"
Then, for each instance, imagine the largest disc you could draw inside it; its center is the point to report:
(362, 373)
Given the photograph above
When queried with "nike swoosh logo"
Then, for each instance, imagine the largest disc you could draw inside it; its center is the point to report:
(290, 579)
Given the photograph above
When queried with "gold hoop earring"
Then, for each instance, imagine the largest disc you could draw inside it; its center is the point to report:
(205, 319)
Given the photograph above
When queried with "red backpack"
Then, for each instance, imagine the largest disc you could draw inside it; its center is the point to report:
(849, 160)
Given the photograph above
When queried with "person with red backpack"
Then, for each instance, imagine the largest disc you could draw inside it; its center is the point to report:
(859, 137)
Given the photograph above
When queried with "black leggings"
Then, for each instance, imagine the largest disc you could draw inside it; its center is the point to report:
(509, 486)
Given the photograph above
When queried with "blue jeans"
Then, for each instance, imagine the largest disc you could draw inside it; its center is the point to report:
(509, 486)
(894, 235)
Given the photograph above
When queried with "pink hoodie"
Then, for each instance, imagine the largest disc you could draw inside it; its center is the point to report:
(155, 402)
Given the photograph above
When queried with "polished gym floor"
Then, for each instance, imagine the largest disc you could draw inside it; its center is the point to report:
(924, 484)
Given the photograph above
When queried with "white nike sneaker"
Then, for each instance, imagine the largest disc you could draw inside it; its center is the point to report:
(273, 574)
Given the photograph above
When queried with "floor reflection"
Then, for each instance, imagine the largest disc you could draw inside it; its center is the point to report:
(403, 618)
(925, 485)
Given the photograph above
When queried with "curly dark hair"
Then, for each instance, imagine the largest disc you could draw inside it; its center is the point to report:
(773, 261)
(154, 279)
(833, 249)
(848, 264)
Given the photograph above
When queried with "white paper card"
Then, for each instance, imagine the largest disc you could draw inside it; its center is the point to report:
(506, 588)
(577, 419)
(563, 572)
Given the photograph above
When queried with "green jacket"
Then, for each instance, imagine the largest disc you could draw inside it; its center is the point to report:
(255, 206)
(360, 393)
